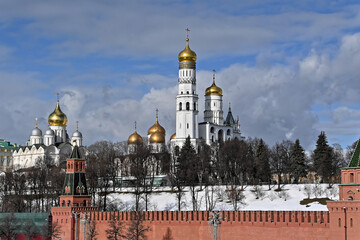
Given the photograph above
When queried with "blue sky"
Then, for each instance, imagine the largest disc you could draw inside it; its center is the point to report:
(289, 68)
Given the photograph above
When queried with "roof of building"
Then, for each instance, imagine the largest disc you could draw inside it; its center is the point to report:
(75, 153)
(7, 145)
(229, 118)
(355, 159)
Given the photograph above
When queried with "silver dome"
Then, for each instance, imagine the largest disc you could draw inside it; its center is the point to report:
(49, 132)
(36, 132)
(77, 134)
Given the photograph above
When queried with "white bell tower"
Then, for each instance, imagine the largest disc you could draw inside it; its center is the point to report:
(187, 98)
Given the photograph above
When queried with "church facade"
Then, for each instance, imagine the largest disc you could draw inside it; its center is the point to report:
(54, 145)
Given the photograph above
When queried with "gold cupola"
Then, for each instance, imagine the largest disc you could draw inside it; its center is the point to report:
(187, 55)
(213, 89)
(57, 117)
(157, 138)
(135, 138)
(173, 136)
(156, 128)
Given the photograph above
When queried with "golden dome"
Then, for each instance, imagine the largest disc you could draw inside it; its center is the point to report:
(173, 136)
(135, 138)
(57, 117)
(156, 127)
(213, 89)
(157, 138)
(187, 55)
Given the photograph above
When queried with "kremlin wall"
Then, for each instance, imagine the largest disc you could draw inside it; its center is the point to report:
(342, 221)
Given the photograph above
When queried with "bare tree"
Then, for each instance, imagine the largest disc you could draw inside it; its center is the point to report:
(280, 159)
(103, 154)
(140, 169)
(29, 230)
(52, 230)
(8, 226)
(137, 229)
(236, 196)
(91, 231)
(115, 230)
(168, 235)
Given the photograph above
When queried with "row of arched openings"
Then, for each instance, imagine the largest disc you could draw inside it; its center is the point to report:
(187, 106)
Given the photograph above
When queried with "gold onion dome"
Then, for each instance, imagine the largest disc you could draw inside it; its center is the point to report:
(156, 128)
(213, 89)
(135, 138)
(173, 136)
(157, 138)
(57, 117)
(187, 55)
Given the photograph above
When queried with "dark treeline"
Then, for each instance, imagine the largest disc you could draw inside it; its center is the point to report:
(234, 163)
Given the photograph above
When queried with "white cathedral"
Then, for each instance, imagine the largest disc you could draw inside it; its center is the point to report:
(213, 129)
(55, 144)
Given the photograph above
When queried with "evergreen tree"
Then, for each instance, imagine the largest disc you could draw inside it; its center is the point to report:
(262, 162)
(189, 168)
(298, 159)
(322, 158)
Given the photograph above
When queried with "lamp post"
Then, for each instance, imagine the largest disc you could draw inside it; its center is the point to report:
(215, 221)
(75, 215)
(84, 220)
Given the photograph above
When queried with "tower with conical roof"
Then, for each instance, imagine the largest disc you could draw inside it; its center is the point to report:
(187, 98)
(75, 193)
(349, 188)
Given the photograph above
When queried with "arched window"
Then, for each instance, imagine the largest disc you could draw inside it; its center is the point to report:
(228, 132)
(351, 177)
(187, 125)
(212, 138)
(187, 92)
(351, 222)
(194, 106)
(180, 106)
(63, 203)
(220, 135)
(212, 129)
(187, 106)
(177, 151)
(69, 203)
(339, 222)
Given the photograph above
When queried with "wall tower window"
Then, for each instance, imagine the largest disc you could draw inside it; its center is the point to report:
(180, 106)
(351, 177)
(187, 106)
(194, 106)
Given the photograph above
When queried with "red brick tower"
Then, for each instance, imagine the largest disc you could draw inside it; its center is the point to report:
(75, 200)
(345, 213)
(75, 192)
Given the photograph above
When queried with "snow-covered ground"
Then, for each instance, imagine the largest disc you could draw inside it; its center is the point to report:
(288, 199)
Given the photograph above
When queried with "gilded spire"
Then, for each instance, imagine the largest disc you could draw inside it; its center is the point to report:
(213, 89)
(187, 55)
(213, 76)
